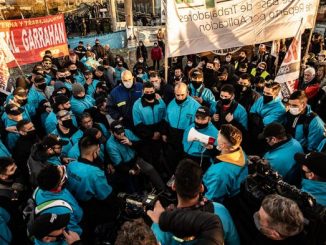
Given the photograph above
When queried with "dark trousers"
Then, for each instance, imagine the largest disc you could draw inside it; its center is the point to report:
(156, 62)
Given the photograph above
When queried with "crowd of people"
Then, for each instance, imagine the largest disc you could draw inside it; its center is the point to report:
(83, 128)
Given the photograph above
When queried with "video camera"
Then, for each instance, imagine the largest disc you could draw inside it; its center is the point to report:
(262, 181)
(136, 205)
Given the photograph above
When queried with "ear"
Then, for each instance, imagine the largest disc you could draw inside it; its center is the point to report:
(275, 235)
(46, 239)
(173, 187)
(202, 188)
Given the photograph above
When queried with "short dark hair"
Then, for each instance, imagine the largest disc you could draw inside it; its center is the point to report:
(245, 76)
(4, 163)
(49, 177)
(21, 124)
(228, 88)
(148, 85)
(154, 74)
(188, 179)
(85, 115)
(273, 85)
(299, 95)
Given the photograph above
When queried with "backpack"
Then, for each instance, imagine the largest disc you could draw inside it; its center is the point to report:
(31, 210)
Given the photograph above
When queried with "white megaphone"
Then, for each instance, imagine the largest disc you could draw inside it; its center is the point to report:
(194, 135)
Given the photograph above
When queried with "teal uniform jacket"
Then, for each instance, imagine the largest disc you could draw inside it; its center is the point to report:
(223, 178)
(231, 236)
(5, 233)
(72, 140)
(316, 188)
(202, 92)
(274, 111)
(41, 196)
(282, 160)
(118, 152)
(195, 148)
(78, 106)
(91, 88)
(51, 122)
(3, 150)
(322, 146)
(315, 133)
(12, 137)
(79, 78)
(181, 116)
(34, 99)
(87, 181)
(146, 114)
(239, 115)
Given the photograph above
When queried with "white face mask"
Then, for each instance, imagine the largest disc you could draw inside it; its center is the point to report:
(157, 85)
(127, 84)
(294, 111)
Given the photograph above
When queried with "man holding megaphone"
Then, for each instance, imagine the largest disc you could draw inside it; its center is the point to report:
(199, 134)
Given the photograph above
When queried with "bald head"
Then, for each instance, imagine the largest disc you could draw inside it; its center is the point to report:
(181, 91)
(126, 75)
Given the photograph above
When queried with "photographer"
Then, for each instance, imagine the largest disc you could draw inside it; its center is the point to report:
(189, 189)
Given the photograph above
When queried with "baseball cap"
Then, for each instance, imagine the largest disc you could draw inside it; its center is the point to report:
(272, 130)
(315, 161)
(46, 223)
(202, 111)
(52, 140)
(117, 127)
(12, 109)
(61, 99)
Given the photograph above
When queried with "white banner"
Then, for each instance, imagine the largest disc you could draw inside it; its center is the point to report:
(289, 71)
(6, 56)
(195, 26)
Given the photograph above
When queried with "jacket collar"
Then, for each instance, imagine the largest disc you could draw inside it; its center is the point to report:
(237, 157)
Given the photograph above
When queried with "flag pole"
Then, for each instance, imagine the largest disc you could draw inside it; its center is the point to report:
(310, 35)
(165, 57)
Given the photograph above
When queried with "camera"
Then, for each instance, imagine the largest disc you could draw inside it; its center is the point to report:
(263, 180)
(136, 205)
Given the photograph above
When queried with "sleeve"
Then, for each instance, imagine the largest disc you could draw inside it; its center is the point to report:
(242, 117)
(101, 187)
(5, 233)
(216, 184)
(113, 154)
(209, 97)
(212, 108)
(316, 133)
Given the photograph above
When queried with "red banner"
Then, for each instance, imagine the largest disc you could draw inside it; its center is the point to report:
(29, 38)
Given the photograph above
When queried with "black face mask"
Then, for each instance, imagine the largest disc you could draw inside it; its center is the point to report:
(67, 123)
(196, 84)
(149, 96)
(200, 125)
(179, 102)
(225, 101)
(62, 79)
(71, 78)
(22, 102)
(73, 71)
(259, 70)
(41, 86)
(267, 99)
(31, 134)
